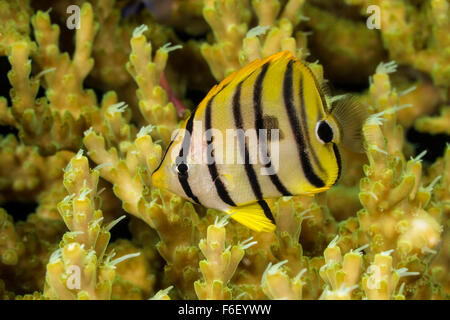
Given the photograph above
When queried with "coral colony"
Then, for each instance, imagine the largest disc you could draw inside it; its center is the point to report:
(92, 90)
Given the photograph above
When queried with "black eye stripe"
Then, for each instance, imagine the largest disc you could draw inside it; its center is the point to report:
(325, 132)
(182, 168)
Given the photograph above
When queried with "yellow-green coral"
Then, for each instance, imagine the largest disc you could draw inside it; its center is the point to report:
(79, 268)
(220, 264)
(397, 210)
(108, 88)
(435, 125)
(340, 273)
(236, 43)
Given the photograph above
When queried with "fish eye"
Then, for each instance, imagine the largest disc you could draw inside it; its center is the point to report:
(324, 132)
(182, 168)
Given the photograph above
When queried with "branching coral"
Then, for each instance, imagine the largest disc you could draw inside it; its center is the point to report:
(27, 175)
(381, 233)
(415, 35)
(228, 21)
(435, 125)
(14, 25)
(381, 279)
(300, 222)
(25, 248)
(111, 45)
(57, 121)
(220, 264)
(397, 210)
(134, 278)
(236, 44)
(440, 267)
(10, 244)
(430, 57)
(276, 283)
(354, 46)
(80, 268)
(53, 122)
(153, 102)
(340, 273)
(131, 180)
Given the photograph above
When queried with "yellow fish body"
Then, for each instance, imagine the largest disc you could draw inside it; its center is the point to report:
(272, 110)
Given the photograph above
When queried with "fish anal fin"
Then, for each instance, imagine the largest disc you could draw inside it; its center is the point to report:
(253, 217)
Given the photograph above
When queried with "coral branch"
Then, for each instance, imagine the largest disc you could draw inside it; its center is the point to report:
(397, 210)
(147, 73)
(341, 274)
(80, 269)
(220, 264)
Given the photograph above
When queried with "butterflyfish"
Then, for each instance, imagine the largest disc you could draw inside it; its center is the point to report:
(264, 132)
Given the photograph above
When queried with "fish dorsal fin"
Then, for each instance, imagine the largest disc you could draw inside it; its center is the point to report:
(242, 73)
(253, 217)
(350, 115)
(325, 86)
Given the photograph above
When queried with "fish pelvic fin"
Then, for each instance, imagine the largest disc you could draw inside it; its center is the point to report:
(252, 216)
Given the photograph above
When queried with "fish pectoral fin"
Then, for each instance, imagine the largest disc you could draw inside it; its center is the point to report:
(253, 217)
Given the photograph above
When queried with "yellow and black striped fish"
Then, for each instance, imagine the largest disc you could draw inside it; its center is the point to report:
(264, 132)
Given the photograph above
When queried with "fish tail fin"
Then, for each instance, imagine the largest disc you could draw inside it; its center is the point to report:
(254, 216)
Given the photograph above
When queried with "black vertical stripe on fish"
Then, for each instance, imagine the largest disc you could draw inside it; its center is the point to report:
(339, 161)
(259, 124)
(320, 89)
(305, 125)
(182, 157)
(253, 180)
(296, 129)
(220, 187)
(267, 211)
